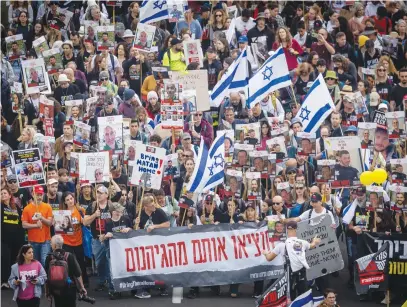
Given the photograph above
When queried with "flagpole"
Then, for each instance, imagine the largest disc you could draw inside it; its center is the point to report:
(295, 99)
(136, 226)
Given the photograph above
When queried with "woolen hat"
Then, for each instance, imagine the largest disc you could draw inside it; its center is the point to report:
(175, 41)
(128, 94)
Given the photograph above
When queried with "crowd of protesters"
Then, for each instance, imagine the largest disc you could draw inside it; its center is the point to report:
(345, 41)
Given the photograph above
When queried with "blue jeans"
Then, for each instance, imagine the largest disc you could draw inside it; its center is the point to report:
(41, 250)
(351, 248)
(101, 260)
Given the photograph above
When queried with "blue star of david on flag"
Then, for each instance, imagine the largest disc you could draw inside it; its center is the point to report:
(267, 73)
(219, 161)
(157, 4)
(304, 116)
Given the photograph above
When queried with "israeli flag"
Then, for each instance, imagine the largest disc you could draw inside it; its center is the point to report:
(304, 300)
(272, 76)
(349, 212)
(210, 169)
(234, 80)
(317, 106)
(153, 10)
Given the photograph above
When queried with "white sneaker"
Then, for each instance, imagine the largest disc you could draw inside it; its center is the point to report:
(142, 294)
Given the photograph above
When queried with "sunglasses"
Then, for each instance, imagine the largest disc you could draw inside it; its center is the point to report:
(218, 15)
(291, 172)
(299, 188)
(104, 79)
(200, 115)
(187, 156)
(382, 70)
(12, 181)
(330, 78)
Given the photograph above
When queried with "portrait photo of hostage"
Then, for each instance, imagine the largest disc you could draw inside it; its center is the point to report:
(53, 60)
(325, 170)
(366, 132)
(110, 139)
(144, 37)
(253, 185)
(46, 146)
(382, 144)
(46, 109)
(399, 202)
(374, 198)
(398, 170)
(105, 37)
(111, 133)
(35, 76)
(248, 133)
(306, 144)
(396, 124)
(233, 183)
(15, 46)
(63, 222)
(241, 155)
(277, 146)
(171, 91)
(99, 175)
(258, 161)
(344, 169)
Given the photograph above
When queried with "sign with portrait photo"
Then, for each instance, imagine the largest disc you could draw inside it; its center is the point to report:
(94, 167)
(253, 184)
(143, 40)
(258, 162)
(325, 170)
(73, 110)
(28, 167)
(241, 155)
(306, 143)
(398, 198)
(276, 145)
(374, 198)
(111, 133)
(396, 124)
(346, 151)
(40, 45)
(90, 109)
(193, 52)
(81, 134)
(176, 10)
(398, 170)
(171, 167)
(46, 108)
(53, 60)
(248, 133)
(360, 107)
(105, 38)
(63, 222)
(233, 183)
(130, 148)
(366, 132)
(35, 76)
(90, 27)
(15, 47)
(46, 145)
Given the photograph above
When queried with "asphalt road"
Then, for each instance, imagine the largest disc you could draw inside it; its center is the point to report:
(346, 297)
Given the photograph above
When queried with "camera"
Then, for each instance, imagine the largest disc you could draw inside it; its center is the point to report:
(87, 299)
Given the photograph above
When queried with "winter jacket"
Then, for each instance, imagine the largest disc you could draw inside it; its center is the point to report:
(41, 279)
(206, 132)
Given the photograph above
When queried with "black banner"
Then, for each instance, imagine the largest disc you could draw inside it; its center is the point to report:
(371, 271)
(369, 243)
(275, 295)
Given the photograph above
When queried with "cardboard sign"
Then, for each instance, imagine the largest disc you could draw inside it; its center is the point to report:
(94, 167)
(326, 258)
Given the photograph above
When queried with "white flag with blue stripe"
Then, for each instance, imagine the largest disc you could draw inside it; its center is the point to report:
(153, 10)
(210, 168)
(272, 76)
(316, 107)
(235, 79)
(349, 212)
(304, 300)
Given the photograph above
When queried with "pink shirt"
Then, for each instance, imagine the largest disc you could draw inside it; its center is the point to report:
(28, 272)
(291, 58)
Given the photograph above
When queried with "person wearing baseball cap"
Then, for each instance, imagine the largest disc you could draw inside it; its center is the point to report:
(295, 248)
(209, 213)
(52, 197)
(96, 216)
(37, 218)
(261, 33)
(69, 56)
(174, 58)
(21, 195)
(85, 198)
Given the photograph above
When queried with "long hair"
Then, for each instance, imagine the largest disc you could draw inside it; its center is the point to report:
(126, 50)
(392, 68)
(294, 194)
(30, 131)
(62, 205)
(23, 250)
(317, 10)
(14, 4)
(289, 38)
(213, 18)
(303, 67)
(12, 203)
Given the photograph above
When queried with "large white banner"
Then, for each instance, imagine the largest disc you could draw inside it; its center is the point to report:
(201, 256)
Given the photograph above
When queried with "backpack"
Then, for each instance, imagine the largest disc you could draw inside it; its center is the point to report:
(58, 277)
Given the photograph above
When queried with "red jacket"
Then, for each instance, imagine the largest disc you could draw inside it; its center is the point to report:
(291, 58)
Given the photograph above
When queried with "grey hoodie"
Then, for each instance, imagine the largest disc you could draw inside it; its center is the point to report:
(41, 279)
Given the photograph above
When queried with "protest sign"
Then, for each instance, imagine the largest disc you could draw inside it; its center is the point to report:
(110, 133)
(143, 40)
(325, 170)
(46, 145)
(398, 197)
(275, 295)
(94, 167)
(28, 167)
(105, 38)
(40, 45)
(306, 143)
(171, 167)
(380, 119)
(5, 156)
(15, 47)
(241, 155)
(194, 80)
(201, 256)
(53, 60)
(160, 73)
(176, 9)
(65, 16)
(346, 150)
(374, 198)
(193, 52)
(49, 126)
(366, 132)
(46, 108)
(81, 134)
(371, 242)
(90, 27)
(16, 87)
(35, 77)
(148, 167)
(276, 145)
(233, 183)
(276, 229)
(326, 258)
(248, 133)
(390, 46)
(371, 271)
(253, 185)
(130, 148)
(73, 110)
(396, 124)
(63, 222)
(91, 104)
(258, 162)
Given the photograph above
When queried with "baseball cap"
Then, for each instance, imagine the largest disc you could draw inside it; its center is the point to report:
(52, 181)
(290, 169)
(102, 189)
(351, 129)
(360, 191)
(175, 41)
(292, 225)
(250, 204)
(317, 24)
(205, 8)
(186, 136)
(209, 198)
(210, 49)
(316, 197)
(85, 184)
(38, 189)
(243, 39)
(383, 106)
(11, 177)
